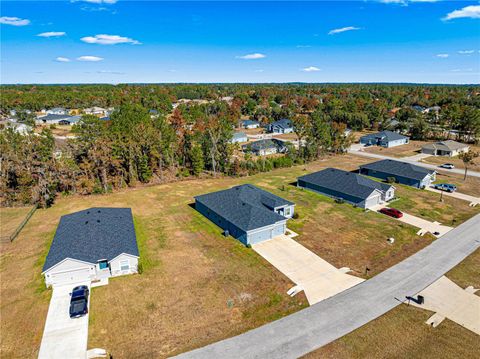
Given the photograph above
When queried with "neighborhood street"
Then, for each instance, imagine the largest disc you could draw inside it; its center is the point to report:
(356, 149)
(324, 322)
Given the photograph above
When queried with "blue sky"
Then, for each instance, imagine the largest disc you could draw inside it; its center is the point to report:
(108, 41)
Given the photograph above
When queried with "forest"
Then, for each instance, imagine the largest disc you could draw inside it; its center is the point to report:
(135, 147)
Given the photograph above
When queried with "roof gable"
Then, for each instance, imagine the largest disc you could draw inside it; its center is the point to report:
(93, 234)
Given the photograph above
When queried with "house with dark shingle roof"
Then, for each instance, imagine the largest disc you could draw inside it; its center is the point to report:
(239, 137)
(53, 119)
(246, 212)
(281, 126)
(351, 187)
(92, 244)
(403, 172)
(250, 124)
(385, 139)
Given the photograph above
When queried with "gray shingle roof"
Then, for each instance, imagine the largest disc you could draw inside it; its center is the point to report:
(264, 144)
(283, 123)
(93, 234)
(349, 183)
(448, 145)
(238, 135)
(385, 135)
(397, 168)
(250, 122)
(53, 117)
(246, 206)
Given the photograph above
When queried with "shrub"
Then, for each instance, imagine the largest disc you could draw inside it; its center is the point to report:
(296, 215)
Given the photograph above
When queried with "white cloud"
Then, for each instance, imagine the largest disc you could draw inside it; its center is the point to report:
(52, 34)
(14, 21)
(62, 59)
(472, 11)
(259, 70)
(254, 56)
(443, 56)
(110, 72)
(466, 52)
(104, 39)
(405, 2)
(310, 69)
(462, 70)
(343, 29)
(89, 58)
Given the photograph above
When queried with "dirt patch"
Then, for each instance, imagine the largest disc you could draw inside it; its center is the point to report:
(410, 149)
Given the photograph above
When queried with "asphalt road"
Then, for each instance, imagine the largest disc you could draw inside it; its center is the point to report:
(421, 164)
(324, 322)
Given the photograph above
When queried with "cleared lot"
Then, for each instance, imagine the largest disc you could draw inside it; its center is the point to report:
(464, 197)
(64, 337)
(318, 278)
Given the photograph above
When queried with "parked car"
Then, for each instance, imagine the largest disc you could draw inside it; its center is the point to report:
(449, 166)
(79, 301)
(445, 187)
(392, 212)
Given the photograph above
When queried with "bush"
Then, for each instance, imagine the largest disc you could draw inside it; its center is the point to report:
(296, 215)
(339, 200)
(248, 245)
(140, 268)
(391, 180)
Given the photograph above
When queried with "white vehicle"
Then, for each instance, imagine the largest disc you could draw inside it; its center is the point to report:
(448, 166)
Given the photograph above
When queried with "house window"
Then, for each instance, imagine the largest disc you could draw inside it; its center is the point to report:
(287, 211)
(124, 265)
(103, 264)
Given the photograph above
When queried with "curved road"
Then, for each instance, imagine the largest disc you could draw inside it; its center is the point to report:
(322, 323)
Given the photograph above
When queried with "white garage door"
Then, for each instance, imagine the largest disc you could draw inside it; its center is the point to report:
(70, 277)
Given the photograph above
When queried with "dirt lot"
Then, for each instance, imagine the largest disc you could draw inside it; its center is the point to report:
(58, 130)
(197, 286)
(402, 333)
(410, 149)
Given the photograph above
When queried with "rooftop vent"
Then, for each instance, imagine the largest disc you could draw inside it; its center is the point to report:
(86, 222)
(98, 221)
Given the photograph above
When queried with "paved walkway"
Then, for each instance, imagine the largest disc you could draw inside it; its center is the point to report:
(465, 197)
(64, 337)
(358, 150)
(332, 318)
(417, 157)
(448, 300)
(318, 278)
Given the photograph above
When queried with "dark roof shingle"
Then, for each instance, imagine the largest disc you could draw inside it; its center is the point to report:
(397, 168)
(246, 206)
(93, 234)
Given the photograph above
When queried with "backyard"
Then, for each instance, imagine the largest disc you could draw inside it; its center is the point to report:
(197, 286)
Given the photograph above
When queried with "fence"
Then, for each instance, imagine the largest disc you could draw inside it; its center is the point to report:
(14, 235)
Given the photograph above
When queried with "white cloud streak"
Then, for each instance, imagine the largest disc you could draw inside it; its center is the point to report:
(104, 39)
(90, 58)
(52, 34)
(472, 12)
(343, 29)
(254, 56)
(443, 56)
(62, 59)
(466, 52)
(310, 69)
(14, 21)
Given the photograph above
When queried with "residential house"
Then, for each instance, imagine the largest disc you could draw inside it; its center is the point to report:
(385, 139)
(70, 121)
(17, 127)
(402, 172)
(447, 148)
(90, 245)
(249, 124)
(95, 111)
(246, 212)
(356, 189)
(265, 147)
(53, 119)
(281, 126)
(239, 137)
(57, 111)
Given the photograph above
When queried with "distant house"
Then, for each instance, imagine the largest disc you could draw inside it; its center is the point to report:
(265, 147)
(95, 111)
(250, 124)
(435, 109)
(246, 212)
(351, 187)
(70, 121)
(52, 119)
(106, 118)
(403, 172)
(92, 244)
(418, 108)
(57, 111)
(280, 126)
(385, 139)
(239, 137)
(17, 127)
(447, 148)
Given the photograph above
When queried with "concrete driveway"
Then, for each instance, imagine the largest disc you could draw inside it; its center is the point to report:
(448, 300)
(318, 278)
(417, 157)
(424, 225)
(64, 337)
(465, 197)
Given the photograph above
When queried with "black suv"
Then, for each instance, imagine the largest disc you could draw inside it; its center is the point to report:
(79, 301)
